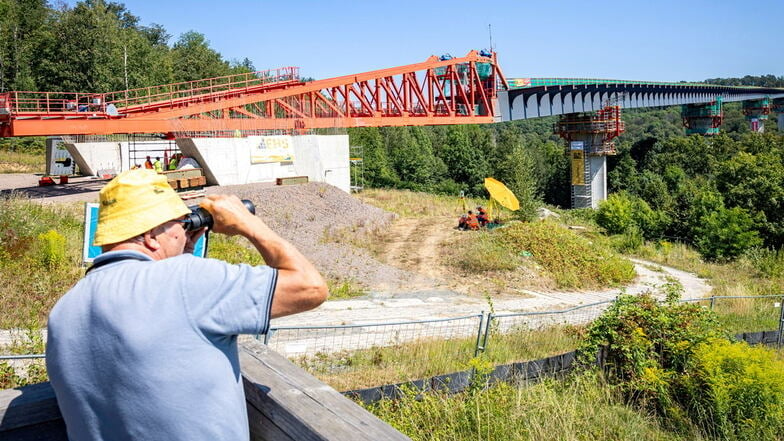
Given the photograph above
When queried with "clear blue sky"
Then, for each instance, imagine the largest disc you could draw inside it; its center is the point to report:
(662, 40)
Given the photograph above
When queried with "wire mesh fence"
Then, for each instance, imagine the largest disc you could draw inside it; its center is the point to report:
(386, 353)
(749, 313)
(336, 353)
(378, 353)
(530, 335)
(313, 340)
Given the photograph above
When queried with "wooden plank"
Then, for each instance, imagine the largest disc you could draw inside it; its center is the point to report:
(183, 174)
(261, 428)
(291, 180)
(301, 405)
(27, 406)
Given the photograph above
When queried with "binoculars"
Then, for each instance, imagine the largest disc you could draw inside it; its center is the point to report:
(200, 218)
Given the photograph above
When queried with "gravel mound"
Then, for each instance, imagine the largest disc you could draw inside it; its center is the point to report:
(311, 216)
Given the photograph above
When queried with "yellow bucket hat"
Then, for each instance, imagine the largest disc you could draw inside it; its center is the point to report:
(133, 202)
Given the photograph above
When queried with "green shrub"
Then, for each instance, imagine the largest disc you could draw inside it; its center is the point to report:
(628, 242)
(621, 212)
(616, 214)
(735, 391)
(647, 343)
(726, 234)
(768, 262)
(52, 248)
(572, 261)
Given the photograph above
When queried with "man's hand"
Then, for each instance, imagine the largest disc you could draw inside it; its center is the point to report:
(229, 215)
(193, 237)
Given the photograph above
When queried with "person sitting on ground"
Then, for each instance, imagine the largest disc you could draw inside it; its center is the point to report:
(482, 216)
(462, 222)
(472, 222)
(144, 347)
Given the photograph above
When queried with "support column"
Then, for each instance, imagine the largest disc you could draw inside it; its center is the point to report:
(590, 140)
(778, 107)
(757, 112)
(703, 118)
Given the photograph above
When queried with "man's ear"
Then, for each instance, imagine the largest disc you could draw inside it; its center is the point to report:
(151, 239)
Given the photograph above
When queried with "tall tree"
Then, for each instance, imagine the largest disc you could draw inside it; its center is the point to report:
(466, 163)
(194, 59)
(378, 169)
(23, 23)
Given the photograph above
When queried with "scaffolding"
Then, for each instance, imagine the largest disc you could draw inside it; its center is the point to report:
(357, 164)
(596, 129)
(140, 148)
(703, 118)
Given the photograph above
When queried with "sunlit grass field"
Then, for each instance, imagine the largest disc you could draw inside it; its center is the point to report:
(18, 162)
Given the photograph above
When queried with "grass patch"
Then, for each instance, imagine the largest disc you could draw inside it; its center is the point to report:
(233, 249)
(40, 258)
(571, 260)
(482, 251)
(581, 408)
(21, 162)
(748, 314)
(347, 370)
(342, 289)
(413, 204)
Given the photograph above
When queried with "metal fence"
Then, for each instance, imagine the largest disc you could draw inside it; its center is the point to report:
(462, 338)
(529, 334)
(312, 340)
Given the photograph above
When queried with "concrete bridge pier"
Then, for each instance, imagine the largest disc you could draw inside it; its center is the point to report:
(757, 112)
(703, 118)
(778, 107)
(589, 138)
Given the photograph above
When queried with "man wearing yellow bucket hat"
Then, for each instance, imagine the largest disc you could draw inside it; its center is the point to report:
(144, 347)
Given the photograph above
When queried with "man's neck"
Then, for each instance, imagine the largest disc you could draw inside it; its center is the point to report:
(134, 246)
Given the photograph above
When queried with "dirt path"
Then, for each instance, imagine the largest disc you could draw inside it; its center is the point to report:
(416, 245)
(420, 245)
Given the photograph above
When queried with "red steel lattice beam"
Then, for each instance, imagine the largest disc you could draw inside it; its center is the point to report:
(434, 92)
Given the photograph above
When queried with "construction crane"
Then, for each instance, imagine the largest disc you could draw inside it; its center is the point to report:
(440, 90)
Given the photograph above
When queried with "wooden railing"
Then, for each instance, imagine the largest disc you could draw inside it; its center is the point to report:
(285, 403)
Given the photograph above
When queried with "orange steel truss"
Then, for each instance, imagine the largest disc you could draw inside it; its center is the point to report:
(599, 128)
(437, 91)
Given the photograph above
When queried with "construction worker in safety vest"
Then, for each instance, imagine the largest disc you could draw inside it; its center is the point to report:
(157, 165)
(173, 161)
(472, 222)
(482, 216)
(148, 163)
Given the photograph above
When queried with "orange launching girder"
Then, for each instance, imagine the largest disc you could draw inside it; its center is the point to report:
(437, 91)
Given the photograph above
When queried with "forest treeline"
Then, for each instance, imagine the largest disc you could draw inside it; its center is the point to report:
(91, 46)
(724, 194)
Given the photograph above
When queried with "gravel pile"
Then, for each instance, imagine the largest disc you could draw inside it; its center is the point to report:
(311, 216)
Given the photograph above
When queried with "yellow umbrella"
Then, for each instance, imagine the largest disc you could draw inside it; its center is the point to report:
(501, 194)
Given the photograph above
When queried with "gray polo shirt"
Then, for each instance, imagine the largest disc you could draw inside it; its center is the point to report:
(144, 349)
